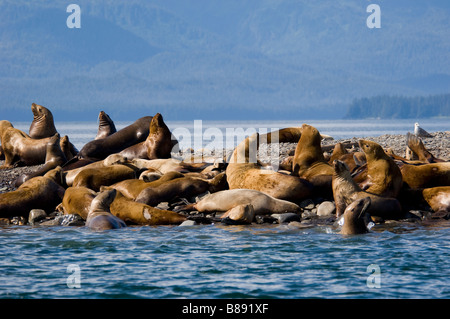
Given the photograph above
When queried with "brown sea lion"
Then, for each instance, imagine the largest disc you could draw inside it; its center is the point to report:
(346, 191)
(77, 200)
(131, 188)
(225, 200)
(99, 216)
(245, 172)
(20, 149)
(54, 157)
(70, 174)
(354, 217)
(157, 145)
(384, 175)
(117, 142)
(68, 148)
(106, 126)
(426, 175)
(94, 178)
(181, 187)
(415, 144)
(142, 214)
(438, 198)
(41, 192)
(286, 135)
(43, 124)
(309, 162)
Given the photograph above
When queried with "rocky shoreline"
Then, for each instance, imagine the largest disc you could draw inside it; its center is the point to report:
(314, 211)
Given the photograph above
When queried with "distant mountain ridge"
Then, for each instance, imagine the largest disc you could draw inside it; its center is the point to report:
(218, 59)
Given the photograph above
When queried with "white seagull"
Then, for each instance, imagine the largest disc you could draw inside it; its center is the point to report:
(418, 131)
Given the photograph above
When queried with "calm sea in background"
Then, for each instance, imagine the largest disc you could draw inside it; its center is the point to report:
(217, 261)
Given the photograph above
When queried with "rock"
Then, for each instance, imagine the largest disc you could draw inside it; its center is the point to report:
(71, 220)
(5, 221)
(261, 219)
(300, 225)
(326, 208)
(188, 223)
(163, 206)
(307, 204)
(36, 215)
(286, 217)
(18, 220)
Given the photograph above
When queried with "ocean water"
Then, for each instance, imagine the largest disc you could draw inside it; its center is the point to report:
(395, 260)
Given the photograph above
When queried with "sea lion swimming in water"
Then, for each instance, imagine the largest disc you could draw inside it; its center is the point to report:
(100, 216)
(354, 217)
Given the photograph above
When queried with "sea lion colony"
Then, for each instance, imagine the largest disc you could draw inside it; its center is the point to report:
(135, 176)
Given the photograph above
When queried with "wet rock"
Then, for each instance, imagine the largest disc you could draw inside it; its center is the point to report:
(188, 223)
(18, 220)
(263, 219)
(326, 208)
(5, 221)
(36, 215)
(163, 206)
(307, 204)
(71, 220)
(286, 217)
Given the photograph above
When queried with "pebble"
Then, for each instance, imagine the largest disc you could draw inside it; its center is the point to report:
(36, 215)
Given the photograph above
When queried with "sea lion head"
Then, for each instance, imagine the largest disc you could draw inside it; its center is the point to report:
(40, 111)
(103, 201)
(355, 217)
(311, 133)
(371, 149)
(340, 168)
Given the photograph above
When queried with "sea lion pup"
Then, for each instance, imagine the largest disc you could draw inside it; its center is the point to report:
(157, 145)
(384, 175)
(309, 162)
(346, 191)
(245, 172)
(41, 192)
(131, 188)
(54, 157)
(94, 178)
(426, 175)
(69, 175)
(106, 126)
(99, 216)
(142, 214)
(354, 217)
(42, 125)
(225, 200)
(117, 142)
(77, 200)
(415, 144)
(438, 198)
(20, 149)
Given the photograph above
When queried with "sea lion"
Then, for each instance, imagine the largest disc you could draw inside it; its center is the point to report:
(68, 148)
(286, 135)
(426, 175)
(225, 200)
(77, 200)
(346, 191)
(181, 187)
(309, 162)
(70, 174)
(166, 165)
(142, 214)
(157, 145)
(43, 124)
(54, 157)
(117, 142)
(244, 172)
(354, 217)
(415, 144)
(41, 192)
(99, 216)
(94, 178)
(384, 175)
(438, 198)
(131, 188)
(20, 149)
(106, 126)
